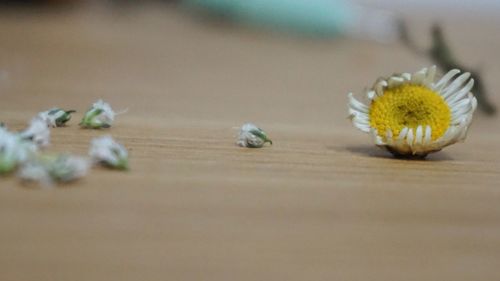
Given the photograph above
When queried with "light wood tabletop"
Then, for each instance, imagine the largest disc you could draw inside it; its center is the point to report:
(321, 203)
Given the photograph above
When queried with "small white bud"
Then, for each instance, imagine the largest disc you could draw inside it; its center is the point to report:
(252, 136)
(56, 117)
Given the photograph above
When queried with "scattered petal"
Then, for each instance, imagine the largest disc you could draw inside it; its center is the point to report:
(48, 170)
(38, 132)
(106, 151)
(13, 150)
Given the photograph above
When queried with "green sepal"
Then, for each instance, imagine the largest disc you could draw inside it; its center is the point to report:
(89, 121)
(61, 121)
(261, 135)
(6, 165)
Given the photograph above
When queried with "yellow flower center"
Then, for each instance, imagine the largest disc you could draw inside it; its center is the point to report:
(410, 106)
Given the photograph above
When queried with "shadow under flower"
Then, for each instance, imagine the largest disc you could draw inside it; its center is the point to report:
(373, 151)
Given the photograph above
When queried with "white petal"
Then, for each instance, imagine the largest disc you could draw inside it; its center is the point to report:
(395, 81)
(474, 101)
(379, 141)
(428, 135)
(371, 95)
(388, 134)
(361, 126)
(450, 136)
(464, 112)
(406, 76)
(361, 117)
(445, 79)
(418, 135)
(357, 105)
(358, 112)
(389, 138)
(379, 87)
(376, 138)
(461, 93)
(409, 137)
(431, 74)
(403, 133)
(419, 76)
(364, 128)
(358, 122)
(465, 103)
(455, 85)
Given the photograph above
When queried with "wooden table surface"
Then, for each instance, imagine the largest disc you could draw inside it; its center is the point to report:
(321, 204)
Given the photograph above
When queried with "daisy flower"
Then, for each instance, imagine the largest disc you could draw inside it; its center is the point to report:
(100, 115)
(252, 136)
(56, 117)
(38, 132)
(412, 115)
(105, 150)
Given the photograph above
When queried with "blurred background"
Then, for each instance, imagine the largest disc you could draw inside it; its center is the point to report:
(230, 49)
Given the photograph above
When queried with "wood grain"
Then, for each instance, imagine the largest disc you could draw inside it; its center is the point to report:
(321, 204)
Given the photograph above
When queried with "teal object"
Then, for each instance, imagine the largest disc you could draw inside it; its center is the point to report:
(323, 18)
